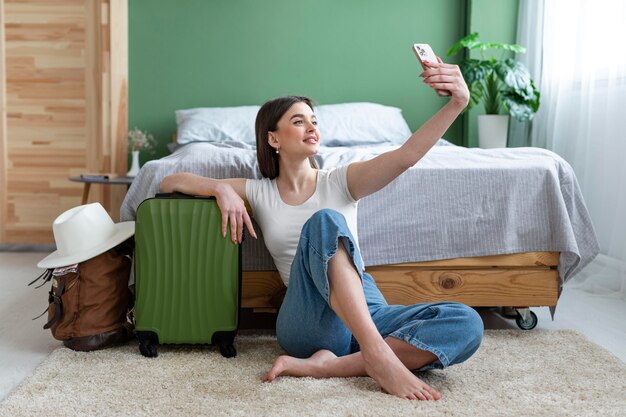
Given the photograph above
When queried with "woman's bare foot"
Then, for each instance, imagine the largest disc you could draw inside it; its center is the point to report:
(382, 364)
(288, 365)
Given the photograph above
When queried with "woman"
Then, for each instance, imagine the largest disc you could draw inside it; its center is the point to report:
(334, 321)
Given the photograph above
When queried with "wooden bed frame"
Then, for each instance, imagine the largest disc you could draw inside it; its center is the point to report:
(519, 280)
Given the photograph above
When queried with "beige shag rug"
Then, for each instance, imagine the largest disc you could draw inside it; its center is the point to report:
(514, 373)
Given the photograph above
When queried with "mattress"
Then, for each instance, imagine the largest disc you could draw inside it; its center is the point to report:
(455, 202)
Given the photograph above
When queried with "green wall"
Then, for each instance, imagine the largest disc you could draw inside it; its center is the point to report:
(201, 53)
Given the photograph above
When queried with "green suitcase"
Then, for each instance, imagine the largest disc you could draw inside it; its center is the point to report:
(187, 276)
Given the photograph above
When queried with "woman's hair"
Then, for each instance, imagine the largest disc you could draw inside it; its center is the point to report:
(267, 121)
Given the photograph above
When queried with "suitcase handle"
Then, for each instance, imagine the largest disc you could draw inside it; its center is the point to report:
(177, 194)
(180, 195)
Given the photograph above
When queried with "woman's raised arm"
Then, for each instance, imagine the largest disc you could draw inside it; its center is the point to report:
(229, 193)
(367, 177)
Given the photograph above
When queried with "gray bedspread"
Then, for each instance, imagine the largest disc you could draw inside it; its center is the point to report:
(455, 202)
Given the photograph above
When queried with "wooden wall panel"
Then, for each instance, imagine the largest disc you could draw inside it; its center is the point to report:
(116, 49)
(3, 132)
(57, 68)
(46, 128)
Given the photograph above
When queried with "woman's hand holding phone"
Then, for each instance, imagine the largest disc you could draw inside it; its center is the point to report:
(445, 79)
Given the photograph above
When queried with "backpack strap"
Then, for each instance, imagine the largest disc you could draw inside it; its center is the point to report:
(46, 276)
(44, 312)
(55, 298)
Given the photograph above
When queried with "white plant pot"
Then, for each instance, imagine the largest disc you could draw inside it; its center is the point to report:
(492, 130)
(134, 167)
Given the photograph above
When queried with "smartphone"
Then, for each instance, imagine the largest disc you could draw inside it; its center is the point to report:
(425, 53)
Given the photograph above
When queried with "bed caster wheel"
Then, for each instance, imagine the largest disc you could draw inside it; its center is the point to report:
(528, 323)
(228, 350)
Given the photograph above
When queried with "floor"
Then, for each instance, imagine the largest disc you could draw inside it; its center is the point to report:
(24, 344)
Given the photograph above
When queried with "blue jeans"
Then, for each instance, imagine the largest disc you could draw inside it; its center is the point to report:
(306, 323)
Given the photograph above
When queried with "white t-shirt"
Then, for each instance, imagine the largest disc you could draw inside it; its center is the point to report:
(282, 223)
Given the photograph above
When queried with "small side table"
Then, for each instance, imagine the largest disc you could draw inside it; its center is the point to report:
(96, 179)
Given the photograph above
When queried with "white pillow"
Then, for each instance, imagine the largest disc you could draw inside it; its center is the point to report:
(353, 124)
(347, 124)
(216, 124)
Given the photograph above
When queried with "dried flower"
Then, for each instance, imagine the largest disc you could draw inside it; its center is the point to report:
(140, 141)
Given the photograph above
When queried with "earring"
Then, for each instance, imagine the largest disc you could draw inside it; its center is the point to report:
(276, 150)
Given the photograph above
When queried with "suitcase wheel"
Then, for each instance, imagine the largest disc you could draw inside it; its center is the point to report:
(148, 342)
(228, 350)
(149, 351)
(225, 341)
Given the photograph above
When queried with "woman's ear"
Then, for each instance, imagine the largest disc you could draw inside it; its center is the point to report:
(271, 139)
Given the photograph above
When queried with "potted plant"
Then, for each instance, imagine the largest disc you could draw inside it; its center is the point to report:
(138, 141)
(501, 84)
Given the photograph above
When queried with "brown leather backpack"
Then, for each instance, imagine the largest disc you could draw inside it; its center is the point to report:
(88, 305)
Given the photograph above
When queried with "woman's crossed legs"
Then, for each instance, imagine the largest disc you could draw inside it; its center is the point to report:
(321, 318)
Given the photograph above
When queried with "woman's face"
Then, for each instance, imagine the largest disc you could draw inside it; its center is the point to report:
(296, 132)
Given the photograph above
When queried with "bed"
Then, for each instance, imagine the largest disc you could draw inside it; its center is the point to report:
(488, 228)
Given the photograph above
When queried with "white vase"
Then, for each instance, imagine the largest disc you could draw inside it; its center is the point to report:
(492, 130)
(134, 167)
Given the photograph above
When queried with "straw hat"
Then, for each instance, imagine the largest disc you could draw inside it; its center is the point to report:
(84, 232)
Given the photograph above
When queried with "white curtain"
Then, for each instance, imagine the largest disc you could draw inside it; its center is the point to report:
(582, 116)
(530, 36)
